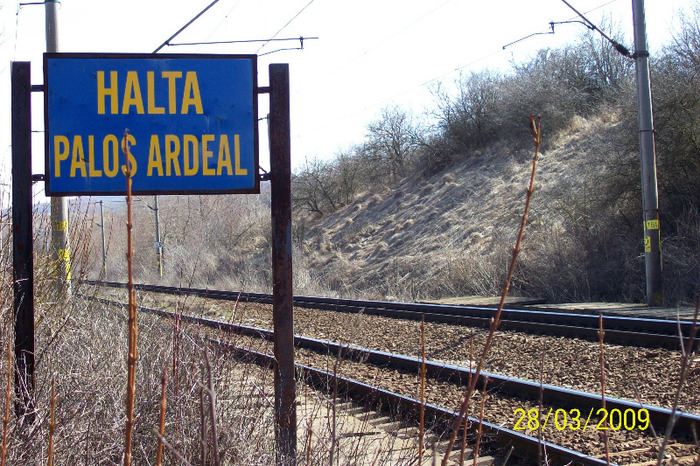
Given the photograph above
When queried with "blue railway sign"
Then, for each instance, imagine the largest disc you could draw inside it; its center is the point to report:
(190, 122)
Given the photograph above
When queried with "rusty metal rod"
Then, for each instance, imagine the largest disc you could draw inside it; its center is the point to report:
(133, 325)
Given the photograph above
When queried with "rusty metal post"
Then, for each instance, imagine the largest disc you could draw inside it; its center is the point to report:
(22, 241)
(283, 316)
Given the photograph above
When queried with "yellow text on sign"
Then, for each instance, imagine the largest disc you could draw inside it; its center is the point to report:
(187, 150)
(77, 148)
(169, 155)
(108, 90)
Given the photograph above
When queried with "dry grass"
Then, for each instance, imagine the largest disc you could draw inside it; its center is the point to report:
(447, 235)
(88, 364)
(451, 234)
(82, 347)
(420, 241)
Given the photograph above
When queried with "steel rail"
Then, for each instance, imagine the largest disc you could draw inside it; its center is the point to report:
(687, 424)
(623, 330)
(391, 402)
(378, 398)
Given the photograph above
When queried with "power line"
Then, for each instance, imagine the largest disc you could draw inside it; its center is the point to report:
(301, 39)
(185, 26)
(213, 31)
(388, 38)
(244, 41)
(585, 22)
(618, 46)
(284, 27)
(19, 7)
(423, 84)
(443, 75)
(384, 40)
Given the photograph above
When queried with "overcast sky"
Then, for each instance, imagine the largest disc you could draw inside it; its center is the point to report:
(370, 53)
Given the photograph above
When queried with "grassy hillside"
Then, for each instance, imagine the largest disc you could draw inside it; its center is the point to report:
(426, 211)
(452, 233)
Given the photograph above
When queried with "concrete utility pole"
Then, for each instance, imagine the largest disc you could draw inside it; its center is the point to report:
(60, 246)
(650, 195)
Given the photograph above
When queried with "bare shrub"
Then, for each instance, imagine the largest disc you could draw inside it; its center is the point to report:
(471, 118)
(682, 259)
(391, 142)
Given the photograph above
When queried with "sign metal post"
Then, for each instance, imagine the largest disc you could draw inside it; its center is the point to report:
(22, 241)
(283, 314)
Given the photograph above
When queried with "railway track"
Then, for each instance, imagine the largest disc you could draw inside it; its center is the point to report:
(622, 330)
(556, 397)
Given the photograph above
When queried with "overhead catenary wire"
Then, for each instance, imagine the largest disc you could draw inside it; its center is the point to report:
(14, 54)
(406, 91)
(242, 41)
(223, 20)
(551, 31)
(619, 47)
(448, 73)
(411, 89)
(185, 26)
(301, 46)
(552, 23)
(285, 26)
(586, 22)
(384, 40)
(301, 39)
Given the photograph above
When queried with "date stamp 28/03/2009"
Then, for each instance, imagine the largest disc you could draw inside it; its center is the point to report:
(561, 419)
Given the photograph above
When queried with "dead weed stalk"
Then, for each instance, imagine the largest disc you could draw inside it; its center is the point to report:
(421, 432)
(52, 419)
(212, 408)
(481, 422)
(469, 381)
(133, 326)
(309, 438)
(687, 350)
(601, 336)
(8, 393)
(464, 409)
(161, 427)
